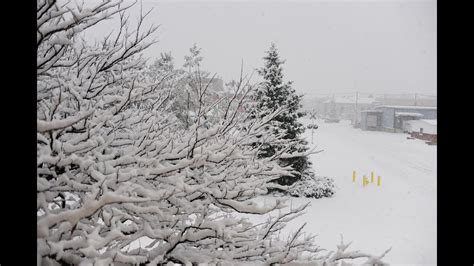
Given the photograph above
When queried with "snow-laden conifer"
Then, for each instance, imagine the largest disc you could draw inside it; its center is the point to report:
(274, 93)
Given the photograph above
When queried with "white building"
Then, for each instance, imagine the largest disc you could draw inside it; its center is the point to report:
(345, 107)
(424, 126)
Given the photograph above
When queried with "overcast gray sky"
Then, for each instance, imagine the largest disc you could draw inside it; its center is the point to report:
(329, 46)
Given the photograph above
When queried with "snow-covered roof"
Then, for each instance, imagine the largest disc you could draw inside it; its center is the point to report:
(408, 114)
(371, 111)
(360, 100)
(408, 107)
(433, 122)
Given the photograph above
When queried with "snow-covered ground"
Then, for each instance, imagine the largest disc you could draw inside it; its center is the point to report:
(401, 213)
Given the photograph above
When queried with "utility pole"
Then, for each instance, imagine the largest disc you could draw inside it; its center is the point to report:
(415, 99)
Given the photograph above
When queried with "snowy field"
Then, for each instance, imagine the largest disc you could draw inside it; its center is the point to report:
(401, 213)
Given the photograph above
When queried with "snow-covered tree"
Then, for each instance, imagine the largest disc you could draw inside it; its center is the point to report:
(120, 183)
(188, 83)
(272, 94)
(163, 69)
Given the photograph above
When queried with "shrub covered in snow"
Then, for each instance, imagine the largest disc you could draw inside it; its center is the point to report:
(313, 187)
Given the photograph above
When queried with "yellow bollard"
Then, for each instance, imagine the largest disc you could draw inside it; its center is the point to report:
(372, 177)
(364, 180)
(378, 181)
(353, 176)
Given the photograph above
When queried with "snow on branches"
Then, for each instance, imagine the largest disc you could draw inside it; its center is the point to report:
(115, 169)
(274, 93)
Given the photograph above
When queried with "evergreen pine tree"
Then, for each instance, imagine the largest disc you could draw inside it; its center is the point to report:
(274, 93)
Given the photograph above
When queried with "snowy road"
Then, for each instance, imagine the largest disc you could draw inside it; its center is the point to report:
(401, 213)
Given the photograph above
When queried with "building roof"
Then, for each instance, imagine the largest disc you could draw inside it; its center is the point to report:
(433, 122)
(408, 107)
(429, 125)
(371, 111)
(408, 114)
(360, 100)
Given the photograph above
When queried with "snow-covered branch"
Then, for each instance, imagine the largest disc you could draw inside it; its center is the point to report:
(117, 166)
(45, 126)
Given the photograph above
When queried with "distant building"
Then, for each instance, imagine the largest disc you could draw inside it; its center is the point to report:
(425, 129)
(428, 126)
(345, 107)
(391, 117)
(406, 100)
(371, 120)
(215, 84)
